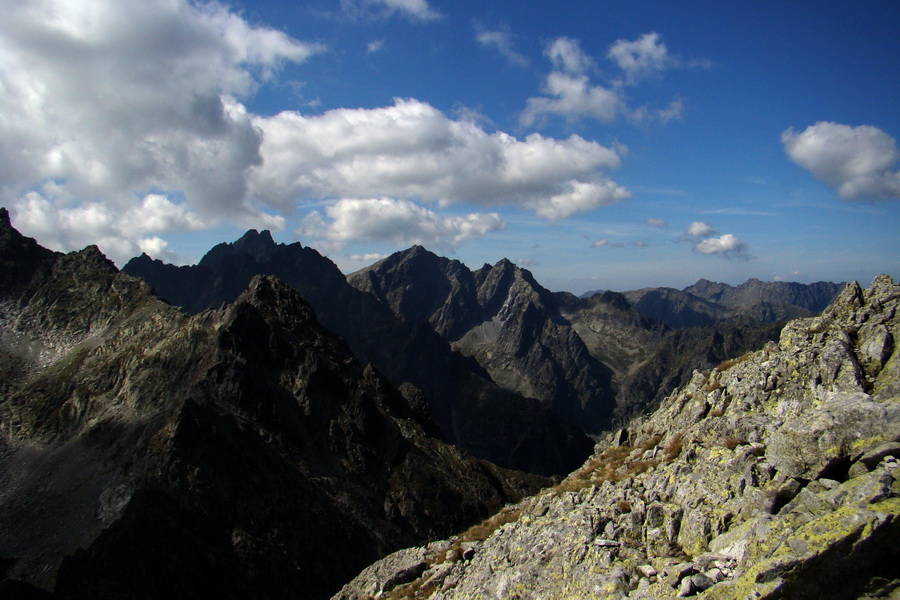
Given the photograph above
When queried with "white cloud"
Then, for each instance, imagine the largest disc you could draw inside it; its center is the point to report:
(570, 93)
(120, 233)
(374, 46)
(118, 112)
(640, 58)
(566, 55)
(700, 229)
(726, 245)
(412, 150)
(413, 9)
(859, 161)
(573, 97)
(656, 222)
(369, 257)
(604, 243)
(502, 42)
(105, 100)
(398, 221)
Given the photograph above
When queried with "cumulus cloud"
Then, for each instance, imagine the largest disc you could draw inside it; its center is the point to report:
(861, 162)
(116, 111)
(569, 91)
(703, 236)
(396, 220)
(107, 100)
(502, 42)
(121, 234)
(726, 245)
(656, 222)
(574, 97)
(418, 10)
(700, 229)
(412, 150)
(604, 243)
(566, 55)
(640, 58)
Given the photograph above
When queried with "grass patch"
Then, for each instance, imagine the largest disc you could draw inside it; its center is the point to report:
(673, 447)
(732, 442)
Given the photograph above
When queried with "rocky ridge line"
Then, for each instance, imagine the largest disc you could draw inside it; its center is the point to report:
(774, 475)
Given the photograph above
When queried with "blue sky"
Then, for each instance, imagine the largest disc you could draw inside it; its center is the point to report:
(603, 145)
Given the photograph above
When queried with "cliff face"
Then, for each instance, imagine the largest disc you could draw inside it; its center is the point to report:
(774, 475)
(470, 410)
(241, 452)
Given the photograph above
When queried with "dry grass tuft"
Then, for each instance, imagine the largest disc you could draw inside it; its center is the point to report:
(731, 442)
(673, 447)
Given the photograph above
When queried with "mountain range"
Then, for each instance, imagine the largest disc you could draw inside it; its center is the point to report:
(259, 423)
(774, 475)
(241, 452)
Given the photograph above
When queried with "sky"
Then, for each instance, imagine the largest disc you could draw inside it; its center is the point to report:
(599, 144)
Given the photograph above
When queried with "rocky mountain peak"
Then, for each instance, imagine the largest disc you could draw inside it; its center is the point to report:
(259, 246)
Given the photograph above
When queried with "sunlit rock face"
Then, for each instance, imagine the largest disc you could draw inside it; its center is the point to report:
(773, 475)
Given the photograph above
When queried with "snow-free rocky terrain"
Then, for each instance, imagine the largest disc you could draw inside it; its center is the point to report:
(774, 475)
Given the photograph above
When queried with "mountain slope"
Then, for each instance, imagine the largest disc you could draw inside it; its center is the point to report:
(776, 475)
(241, 452)
(469, 409)
(504, 319)
(593, 360)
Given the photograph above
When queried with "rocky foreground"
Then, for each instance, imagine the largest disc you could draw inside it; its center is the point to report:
(775, 475)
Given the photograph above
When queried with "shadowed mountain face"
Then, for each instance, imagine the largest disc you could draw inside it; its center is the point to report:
(238, 453)
(469, 408)
(505, 320)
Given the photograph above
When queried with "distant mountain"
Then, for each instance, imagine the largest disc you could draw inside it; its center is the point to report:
(471, 411)
(774, 475)
(504, 319)
(239, 453)
(593, 360)
(676, 308)
(794, 297)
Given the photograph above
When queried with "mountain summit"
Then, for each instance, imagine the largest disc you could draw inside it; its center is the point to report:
(470, 409)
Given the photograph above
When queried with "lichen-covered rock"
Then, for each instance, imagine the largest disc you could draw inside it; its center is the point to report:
(776, 475)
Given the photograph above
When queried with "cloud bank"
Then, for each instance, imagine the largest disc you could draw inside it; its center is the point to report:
(859, 161)
(113, 111)
(398, 221)
(412, 150)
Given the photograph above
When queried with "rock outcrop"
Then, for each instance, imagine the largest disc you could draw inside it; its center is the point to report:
(470, 410)
(774, 475)
(239, 453)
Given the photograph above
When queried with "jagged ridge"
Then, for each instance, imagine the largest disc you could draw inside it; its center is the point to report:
(471, 411)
